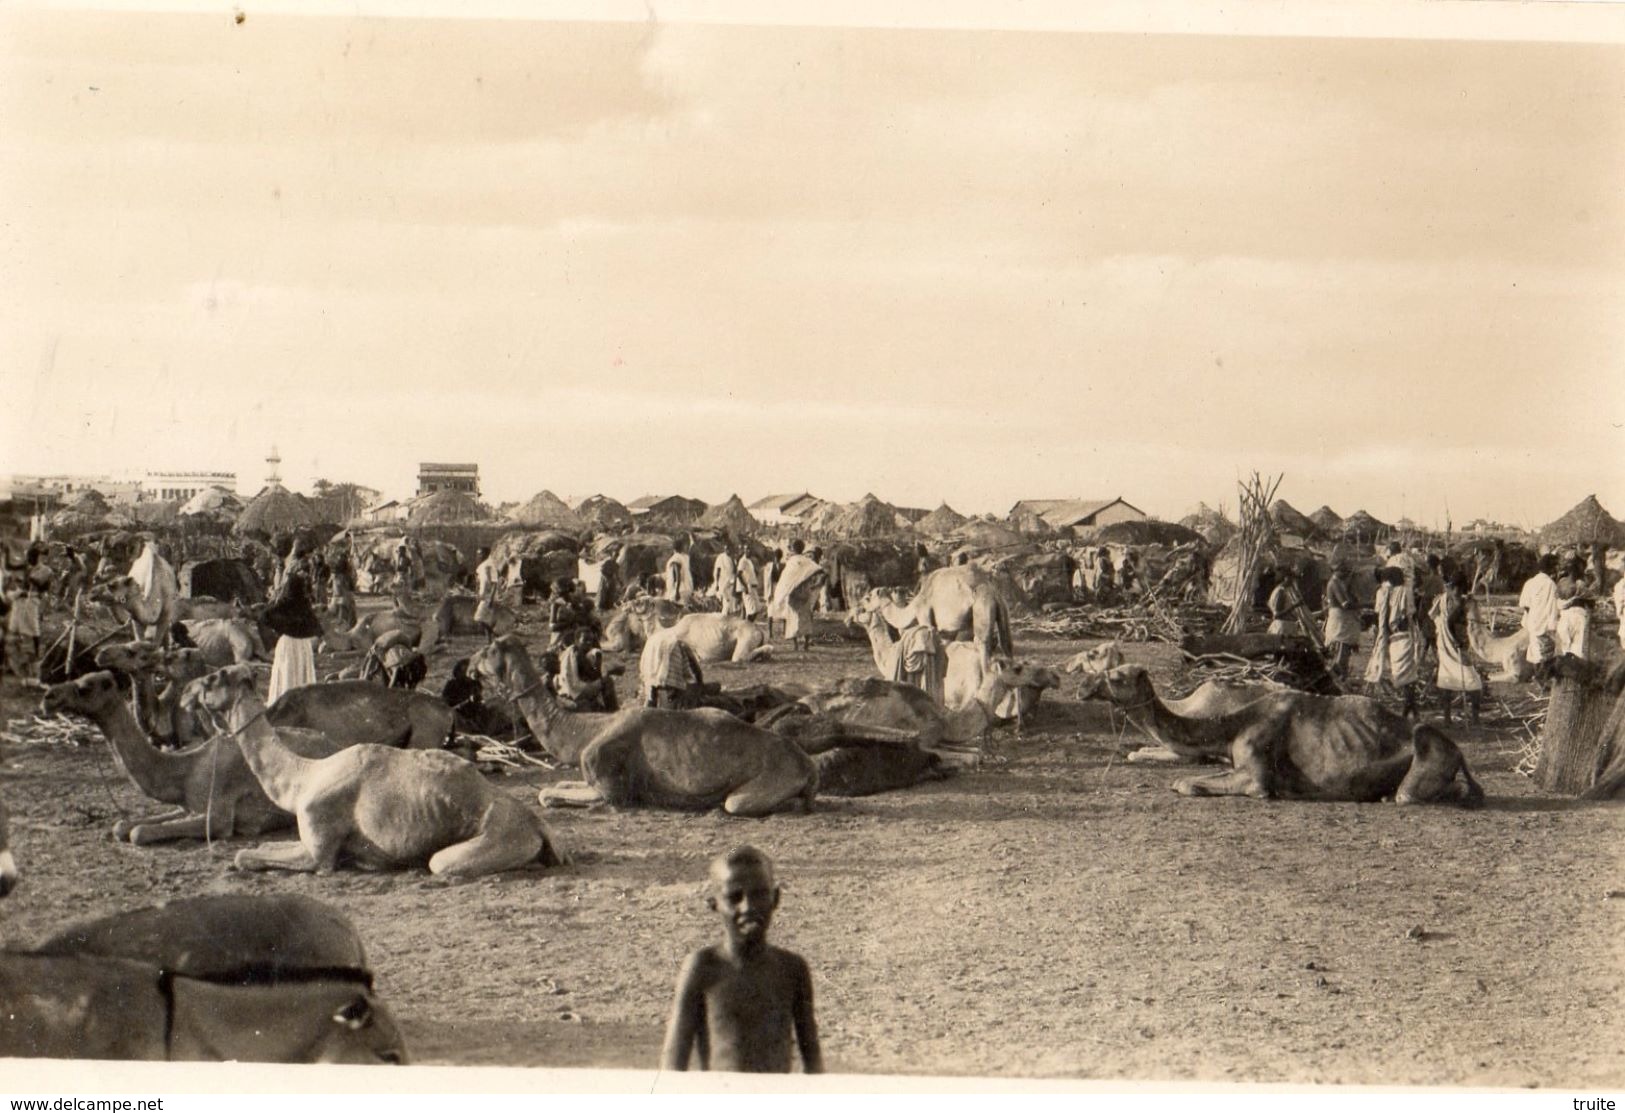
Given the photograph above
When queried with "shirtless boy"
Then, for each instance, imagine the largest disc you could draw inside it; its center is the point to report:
(738, 1001)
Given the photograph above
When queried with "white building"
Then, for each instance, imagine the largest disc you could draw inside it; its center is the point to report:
(168, 485)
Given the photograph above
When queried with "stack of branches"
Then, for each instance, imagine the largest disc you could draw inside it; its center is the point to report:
(1256, 540)
(33, 730)
(1146, 621)
(1229, 668)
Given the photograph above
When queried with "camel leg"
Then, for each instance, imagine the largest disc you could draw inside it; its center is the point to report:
(570, 794)
(122, 829)
(1432, 775)
(278, 856)
(506, 842)
(765, 794)
(217, 824)
(1251, 754)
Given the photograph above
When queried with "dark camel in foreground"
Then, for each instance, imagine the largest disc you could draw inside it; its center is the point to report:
(1295, 745)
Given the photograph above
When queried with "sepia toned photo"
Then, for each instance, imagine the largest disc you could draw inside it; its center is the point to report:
(1033, 545)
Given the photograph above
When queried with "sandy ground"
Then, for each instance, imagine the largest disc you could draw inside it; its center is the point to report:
(1058, 913)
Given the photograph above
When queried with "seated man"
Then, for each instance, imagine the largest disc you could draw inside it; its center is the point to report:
(583, 683)
(670, 673)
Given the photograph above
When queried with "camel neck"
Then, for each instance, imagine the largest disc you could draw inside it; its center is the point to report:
(161, 776)
(279, 770)
(1171, 729)
(562, 734)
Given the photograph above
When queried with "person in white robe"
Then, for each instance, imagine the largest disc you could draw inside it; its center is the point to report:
(794, 595)
(1540, 606)
(724, 575)
(1453, 618)
(1393, 652)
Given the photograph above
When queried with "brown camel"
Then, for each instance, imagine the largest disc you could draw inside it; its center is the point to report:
(92, 1007)
(656, 757)
(960, 599)
(1298, 746)
(360, 712)
(214, 794)
(377, 807)
(8, 865)
(149, 666)
(123, 595)
(962, 685)
(872, 702)
(227, 641)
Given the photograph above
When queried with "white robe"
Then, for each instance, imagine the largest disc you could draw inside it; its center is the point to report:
(1572, 630)
(679, 579)
(293, 665)
(1540, 605)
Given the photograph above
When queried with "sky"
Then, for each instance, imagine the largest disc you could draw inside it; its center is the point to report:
(664, 256)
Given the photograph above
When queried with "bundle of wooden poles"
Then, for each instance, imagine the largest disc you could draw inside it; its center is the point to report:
(1255, 539)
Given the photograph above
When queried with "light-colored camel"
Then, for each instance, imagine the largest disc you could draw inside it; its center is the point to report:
(227, 641)
(9, 876)
(960, 599)
(154, 618)
(166, 671)
(377, 807)
(1299, 746)
(711, 637)
(93, 1007)
(653, 756)
(962, 685)
(213, 794)
(454, 617)
(636, 621)
(370, 627)
(1508, 656)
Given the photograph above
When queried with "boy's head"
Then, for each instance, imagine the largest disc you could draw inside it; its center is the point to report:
(745, 893)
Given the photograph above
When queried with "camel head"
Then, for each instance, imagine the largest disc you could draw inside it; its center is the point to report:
(8, 864)
(219, 691)
(505, 662)
(184, 665)
(1097, 660)
(130, 657)
(1125, 685)
(89, 695)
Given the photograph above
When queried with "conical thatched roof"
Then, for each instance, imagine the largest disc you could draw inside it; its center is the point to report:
(548, 510)
(213, 501)
(443, 508)
(868, 517)
(1146, 531)
(275, 510)
(1360, 526)
(1587, 523)
(87, 501)
(824, 519)
(1289, 518)
(1029, 522)
(944, 519)
(605, 514)
(1214, 527)
(980, 534)
(1327, 521)
(730, 517)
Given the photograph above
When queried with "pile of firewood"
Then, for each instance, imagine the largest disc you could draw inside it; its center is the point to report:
(1133, 622)
(35, 730)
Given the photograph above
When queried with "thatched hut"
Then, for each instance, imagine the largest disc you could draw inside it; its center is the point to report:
(604, 514)
(1328, 522)
(545, 510)
(1585, 525)
(275, 510)
(1147, 531)
(868, 517)
(729, 517)
(1362, 527)
(213, 502)
(980, 535)
(1288, 519)
(445, 508)
(943, 520)
(1214, 527)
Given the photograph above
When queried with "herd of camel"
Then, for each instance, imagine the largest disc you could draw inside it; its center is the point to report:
(364, 775)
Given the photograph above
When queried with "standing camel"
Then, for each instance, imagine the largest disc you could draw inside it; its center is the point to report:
(953, 601)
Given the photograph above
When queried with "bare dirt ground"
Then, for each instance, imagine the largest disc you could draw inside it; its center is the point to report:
(1059, 913)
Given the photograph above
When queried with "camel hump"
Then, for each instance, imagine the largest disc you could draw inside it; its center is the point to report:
(219, 936)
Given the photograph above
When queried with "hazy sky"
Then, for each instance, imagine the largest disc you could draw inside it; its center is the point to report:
(964, 265)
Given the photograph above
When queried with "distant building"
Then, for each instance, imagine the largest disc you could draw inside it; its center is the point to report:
(784, 510)
(115, 491)
(1079, 513)
(449, 477)
(170, 485)
(666, 510)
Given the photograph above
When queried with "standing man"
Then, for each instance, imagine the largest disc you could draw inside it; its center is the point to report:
(724, 576)
(1540, 606)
